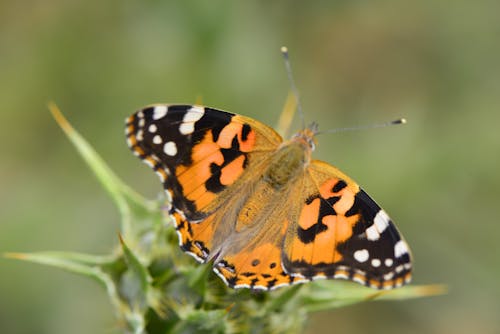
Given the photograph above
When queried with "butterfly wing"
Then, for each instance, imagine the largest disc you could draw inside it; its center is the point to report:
(251, 257)
(204, 157)
(342, 233)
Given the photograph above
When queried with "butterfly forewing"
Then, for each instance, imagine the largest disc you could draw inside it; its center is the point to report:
(204, 157)
(198, 152)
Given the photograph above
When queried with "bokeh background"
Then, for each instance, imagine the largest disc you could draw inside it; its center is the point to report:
(435, 62)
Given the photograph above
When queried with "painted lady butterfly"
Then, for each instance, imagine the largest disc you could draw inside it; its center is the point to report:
(259, 208)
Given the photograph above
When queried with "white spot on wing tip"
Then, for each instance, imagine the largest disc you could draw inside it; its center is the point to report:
(196, 112)
(192, 115)
(186, 128)
(372, 233)
(160, 112)
(381, 221)
(400, 248)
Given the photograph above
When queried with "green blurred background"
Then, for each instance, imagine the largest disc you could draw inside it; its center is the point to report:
(437, 63)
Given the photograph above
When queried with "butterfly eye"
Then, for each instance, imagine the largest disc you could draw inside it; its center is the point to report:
(311, 143)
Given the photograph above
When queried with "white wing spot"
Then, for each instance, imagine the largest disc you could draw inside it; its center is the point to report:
(372, 233)
(157, 139)
(388, 262)
(141, 122)
(381, 221)
(170, 148)
(139, 136)
(400, 248)
(152, 128)
(194, 114)
(159, 112)
(186, 128)
(389, 276)
(361, 255)
(376, 262)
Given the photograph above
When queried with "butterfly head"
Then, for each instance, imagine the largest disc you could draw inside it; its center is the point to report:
(307, 136)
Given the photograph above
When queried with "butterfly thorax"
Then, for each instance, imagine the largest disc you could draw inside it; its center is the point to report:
(290, 160)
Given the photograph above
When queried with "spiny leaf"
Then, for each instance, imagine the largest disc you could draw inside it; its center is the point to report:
(330, 295)
(118, 190)
(82, 264)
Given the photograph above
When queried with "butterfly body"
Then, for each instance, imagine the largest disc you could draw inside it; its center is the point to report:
(289, 162)
(261, 209)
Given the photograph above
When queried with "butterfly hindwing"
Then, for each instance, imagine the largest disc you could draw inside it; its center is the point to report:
(251, 257)
(343, 233)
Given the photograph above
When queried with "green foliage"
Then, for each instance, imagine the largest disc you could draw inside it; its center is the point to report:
(155, 288)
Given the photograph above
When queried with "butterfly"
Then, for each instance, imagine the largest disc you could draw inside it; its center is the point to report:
(259, 207)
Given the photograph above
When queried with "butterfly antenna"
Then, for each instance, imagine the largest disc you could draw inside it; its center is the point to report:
(286, 57)
(363, 127)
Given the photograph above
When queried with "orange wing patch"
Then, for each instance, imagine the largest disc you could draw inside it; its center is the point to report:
(258, 268)
(209, 161)
(321, 226)
(244, 134)
(195, 239)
